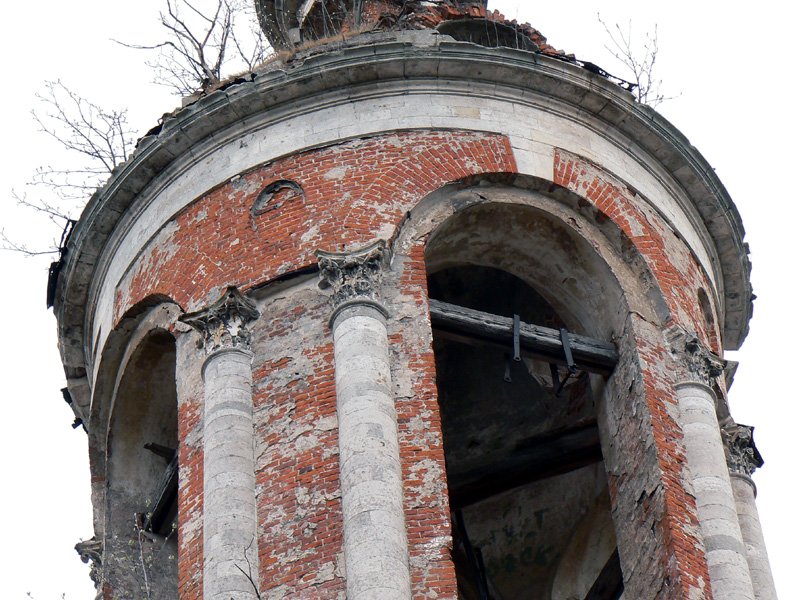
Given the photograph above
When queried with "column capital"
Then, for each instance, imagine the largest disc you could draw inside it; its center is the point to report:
(92, 551)
(223, 325)
(742, 454)
(355, 277)
(700, 365)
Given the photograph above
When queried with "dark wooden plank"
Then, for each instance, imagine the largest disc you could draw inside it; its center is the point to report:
(534, 459)
(165, 505)
(473, 326)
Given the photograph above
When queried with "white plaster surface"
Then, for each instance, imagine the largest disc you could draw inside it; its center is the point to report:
(375, 544)
(716, 508)
(229, 498)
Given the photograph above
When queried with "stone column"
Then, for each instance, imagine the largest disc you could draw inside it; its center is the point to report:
(743, 460)
(706, 462)
(230, 548)
(375, 543)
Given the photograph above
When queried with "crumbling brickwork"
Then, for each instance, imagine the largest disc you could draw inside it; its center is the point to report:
(448, 173)
(190, 490)
(672, 263)
(351, 192)
(375, 182)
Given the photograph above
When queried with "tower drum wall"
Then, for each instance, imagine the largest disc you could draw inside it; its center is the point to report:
(473, 169)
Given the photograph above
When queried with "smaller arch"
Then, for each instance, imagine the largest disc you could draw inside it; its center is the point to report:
(153, 312)
(142, 471)
(134, 443)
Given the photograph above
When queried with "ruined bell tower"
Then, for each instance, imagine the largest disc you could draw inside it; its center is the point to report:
(421, 308)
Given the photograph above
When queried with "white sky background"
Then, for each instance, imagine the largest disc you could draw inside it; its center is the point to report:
(733, 68)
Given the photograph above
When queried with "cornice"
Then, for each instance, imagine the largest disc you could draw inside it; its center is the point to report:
(405, 62)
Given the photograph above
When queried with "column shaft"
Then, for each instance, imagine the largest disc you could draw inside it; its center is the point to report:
(230, 543)
(375, 544)
(716, 509)
(753, 537)
(229, 501)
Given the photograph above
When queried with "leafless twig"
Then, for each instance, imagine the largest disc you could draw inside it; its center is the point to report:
(99, 135)
(52, 212)
(99, 138)
(249, 572)
(641, 63)
(203, 43)
(139, 535)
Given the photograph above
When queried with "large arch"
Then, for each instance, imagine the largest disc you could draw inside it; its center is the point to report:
(483, 241)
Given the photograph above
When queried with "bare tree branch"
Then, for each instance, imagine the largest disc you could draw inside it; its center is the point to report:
(249, 573)
(204, 40)
(11, 245)
(641, 62)
(85, 127)
(100, 138)
(205, 44)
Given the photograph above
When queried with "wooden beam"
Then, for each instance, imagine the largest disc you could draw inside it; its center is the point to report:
(537, 458)
(475, 327)
(608, 585)
(165, 505)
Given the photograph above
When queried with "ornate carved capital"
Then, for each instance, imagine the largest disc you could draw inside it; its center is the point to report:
(92, 550)
(743, 456)
(224, 323)
(700, 364)
(355, 277)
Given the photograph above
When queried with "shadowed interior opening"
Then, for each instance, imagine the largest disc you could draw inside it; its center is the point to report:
(527, 484)
(142, 495)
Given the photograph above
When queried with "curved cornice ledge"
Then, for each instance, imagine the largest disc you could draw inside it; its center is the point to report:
(402, 59)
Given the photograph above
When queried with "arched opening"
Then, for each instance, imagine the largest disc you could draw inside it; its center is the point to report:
(524, 464)
(142, 472)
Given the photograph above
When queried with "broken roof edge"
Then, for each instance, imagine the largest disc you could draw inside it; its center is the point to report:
(413, 54)
(279, 19)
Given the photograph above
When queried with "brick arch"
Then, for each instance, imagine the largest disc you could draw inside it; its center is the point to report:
(674, 266)
(153, 312)
(352, 192)
(145, 332)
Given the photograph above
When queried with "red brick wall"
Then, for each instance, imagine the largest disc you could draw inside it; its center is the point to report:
(421, 442)
(672, 263)
(354, 192)
(679, 276)
(299, 501)
(679, 524)
(190, 499)
(351, 191)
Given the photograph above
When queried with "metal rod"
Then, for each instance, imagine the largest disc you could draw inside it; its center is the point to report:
(568, 352)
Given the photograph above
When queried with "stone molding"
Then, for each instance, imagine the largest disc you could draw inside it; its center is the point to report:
(742, 454)
(175, 148)
(354, 277)
(700, 365)
(92, 551)
(223, 325)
